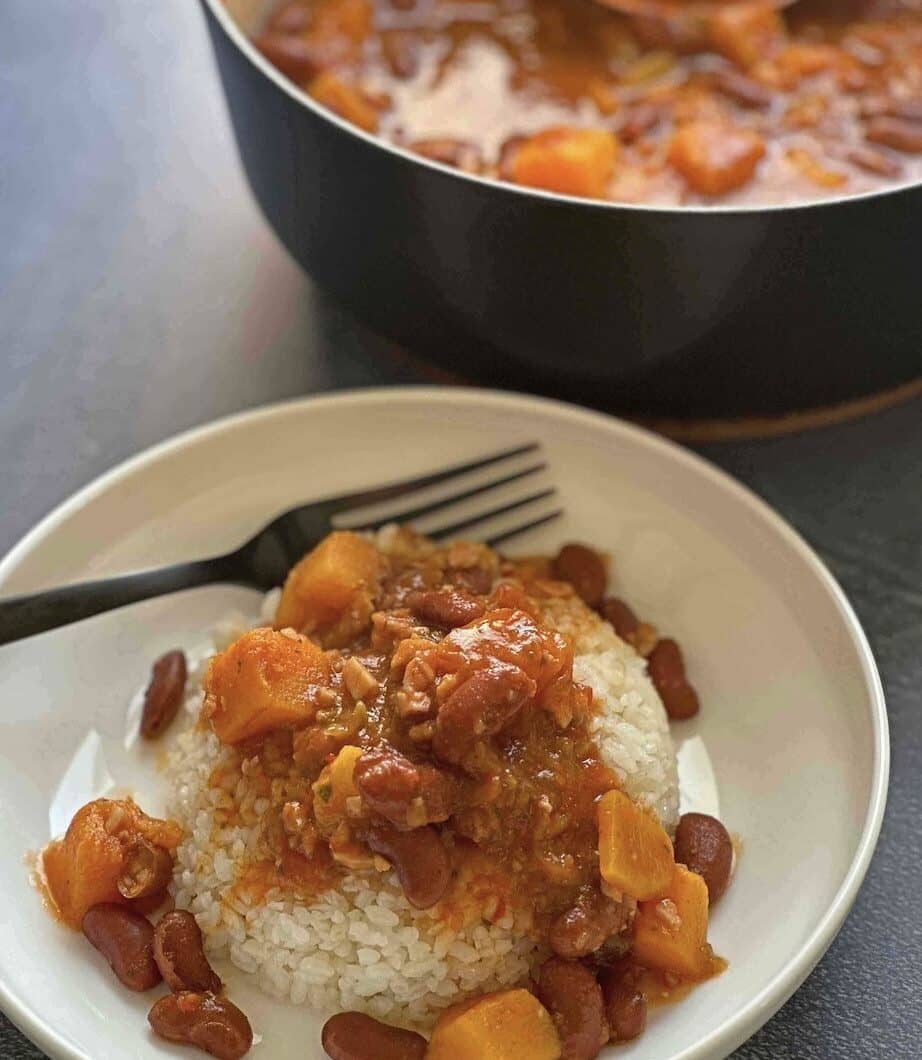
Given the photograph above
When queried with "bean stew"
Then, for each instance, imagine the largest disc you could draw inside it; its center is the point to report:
(747, 105)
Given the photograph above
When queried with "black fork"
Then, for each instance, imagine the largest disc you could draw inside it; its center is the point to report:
(264, 560)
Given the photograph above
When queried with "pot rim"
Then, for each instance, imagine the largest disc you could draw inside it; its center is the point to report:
(239, 39)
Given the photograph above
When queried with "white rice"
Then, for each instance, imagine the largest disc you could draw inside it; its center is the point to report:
(363, 946)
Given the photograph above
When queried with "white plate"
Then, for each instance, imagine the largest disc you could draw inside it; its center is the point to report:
(793, 725)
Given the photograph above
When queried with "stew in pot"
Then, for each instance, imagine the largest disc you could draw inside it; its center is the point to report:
(746, 106)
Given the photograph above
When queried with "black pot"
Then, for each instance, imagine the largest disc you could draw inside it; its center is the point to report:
(667, 311)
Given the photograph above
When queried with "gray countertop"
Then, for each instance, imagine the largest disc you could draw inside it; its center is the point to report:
(141, 293)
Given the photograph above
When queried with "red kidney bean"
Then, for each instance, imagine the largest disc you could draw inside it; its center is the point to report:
(163, 694)
(570, 993)
(703, 845)
(419, 858)
(585, 927)
(909, 108)
(355, 1036)
(625, 1007)
(898, 133)
(611, 952)
(146, 870)
(620, 615)
(126, 940)
(212, 1023)
(873, 161)
(479, 708)
(584, 570)
(180, 954)
(448, 608)
(743, 90)
(667, 672)
(407, 793)
(475, 579)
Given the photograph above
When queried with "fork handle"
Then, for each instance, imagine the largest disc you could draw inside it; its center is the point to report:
(31, 613)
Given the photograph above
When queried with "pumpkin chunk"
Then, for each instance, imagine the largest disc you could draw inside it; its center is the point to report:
(348, 101)
(335, 785)
(503, 1026)
(715, 157)
(82, 869)
(265, 680)
(328, 582)
(635, 854)
(746, 33)
(670, 935)
(567, 160)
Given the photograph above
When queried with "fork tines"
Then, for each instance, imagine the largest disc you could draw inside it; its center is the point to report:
(477, 499)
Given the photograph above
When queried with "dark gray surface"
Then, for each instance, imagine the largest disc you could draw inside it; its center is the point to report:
(140, 293)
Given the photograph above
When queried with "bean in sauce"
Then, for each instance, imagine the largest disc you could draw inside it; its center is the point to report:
(703, 845)
(355, 1036)
(180, 954)
(126, 940)
(625, 1006)
(447, 608)
(570, 992)
(212, 1023)
(406, 793)
(480, 707)
(164, 693)
(667, 672)
(585, 927)
(621, 616)
(584, 569)
(419, 858)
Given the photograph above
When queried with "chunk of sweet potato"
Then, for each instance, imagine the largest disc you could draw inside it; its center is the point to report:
(265, 680)
(348, 101)
(635, 854)
(325, 584)
(715, 157)
(82, 869)
(334, 785)
(670, 935)
(567, 160)
(746, 33)
(503, 1026)
(347, 18)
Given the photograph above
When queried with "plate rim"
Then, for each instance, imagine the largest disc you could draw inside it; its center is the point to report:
(782, 986)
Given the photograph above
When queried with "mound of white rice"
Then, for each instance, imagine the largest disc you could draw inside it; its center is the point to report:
(364, 946)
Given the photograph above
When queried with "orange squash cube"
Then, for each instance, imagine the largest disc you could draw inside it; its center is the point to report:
(82, 869)
(351, 19)
(505, 1026)
(635, 854)
(265, 680)
(346, 100)
(747, 33)
(334, 786)
(670, 935)
(322, 587)
(567, 160)
(715, 157)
